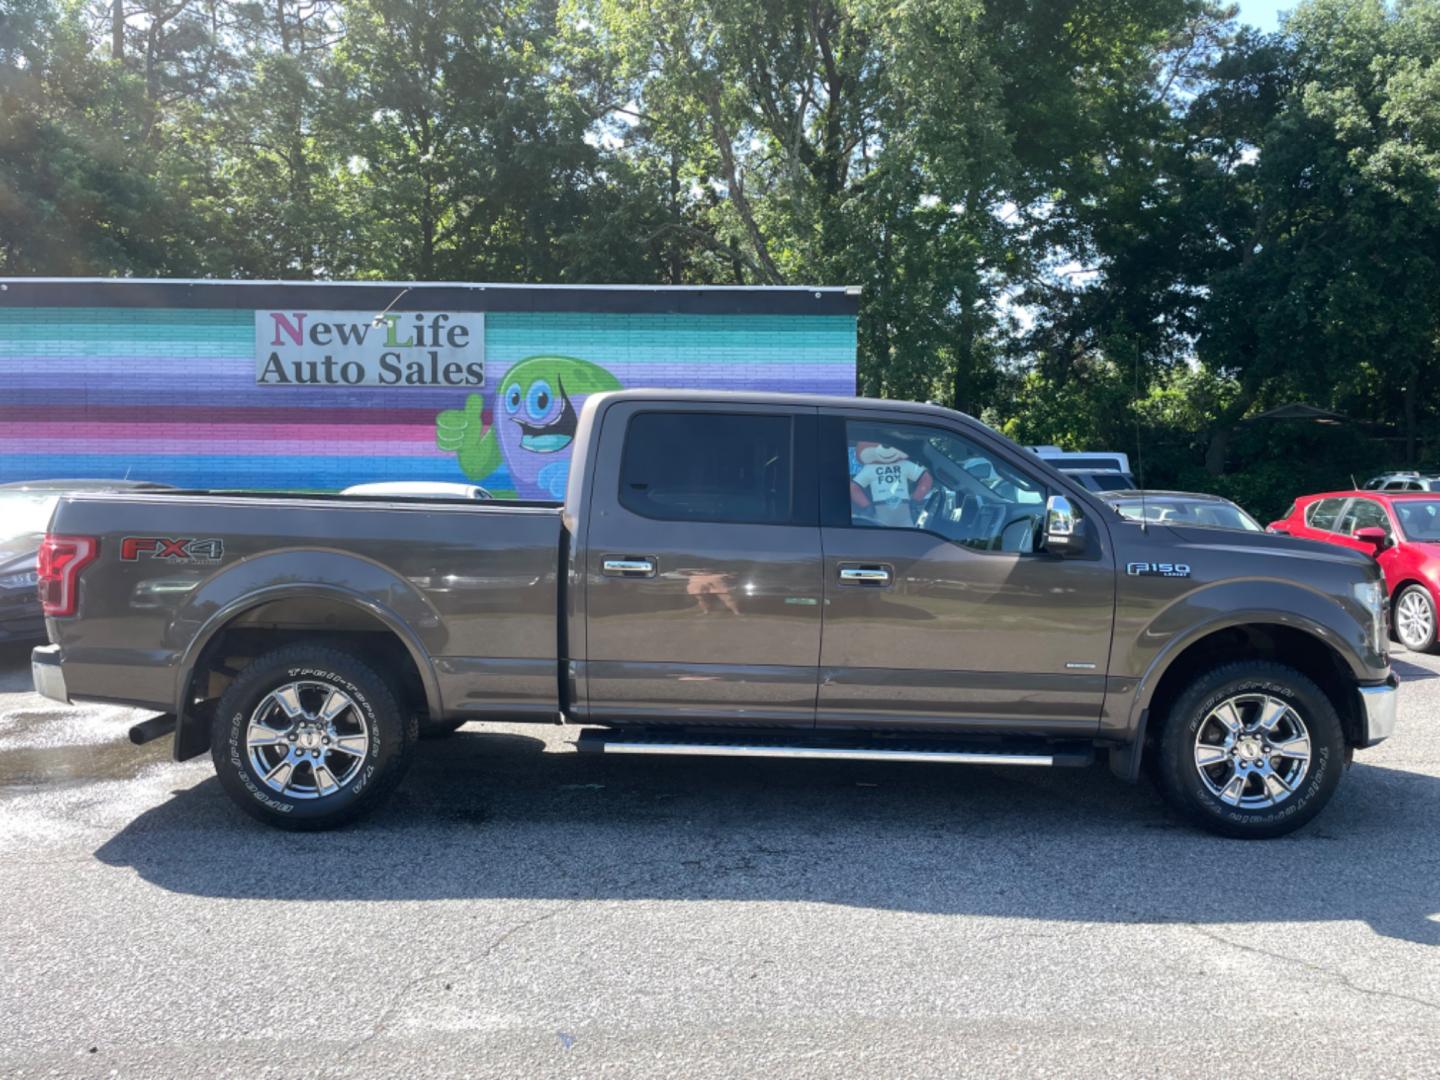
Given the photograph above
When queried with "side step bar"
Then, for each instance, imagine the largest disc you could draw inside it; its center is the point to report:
(956, 752)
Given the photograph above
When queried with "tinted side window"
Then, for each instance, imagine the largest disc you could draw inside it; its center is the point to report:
(728, 467)
(1322, 514)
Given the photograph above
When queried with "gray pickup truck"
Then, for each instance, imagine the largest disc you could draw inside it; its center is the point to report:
(735, 575)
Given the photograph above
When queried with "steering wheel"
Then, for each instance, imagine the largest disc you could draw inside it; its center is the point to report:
(932, 504)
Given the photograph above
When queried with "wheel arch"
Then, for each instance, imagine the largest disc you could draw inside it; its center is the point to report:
(281, 614)
(1295, 646)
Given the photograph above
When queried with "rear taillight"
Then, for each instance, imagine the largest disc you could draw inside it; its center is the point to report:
(61, 560)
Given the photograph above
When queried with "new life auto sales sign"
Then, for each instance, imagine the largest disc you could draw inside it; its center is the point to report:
(354, 348)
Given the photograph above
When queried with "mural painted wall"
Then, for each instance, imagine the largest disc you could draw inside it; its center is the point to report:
(173, 395)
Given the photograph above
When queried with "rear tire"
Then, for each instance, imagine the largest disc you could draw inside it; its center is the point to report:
(1252, 749)
(310, 737)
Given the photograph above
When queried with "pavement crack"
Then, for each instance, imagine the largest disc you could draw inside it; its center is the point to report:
(404, 993)
(1343, 979)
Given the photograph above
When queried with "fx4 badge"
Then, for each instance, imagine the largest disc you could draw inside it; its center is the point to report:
(1158, 569)
(185, 550)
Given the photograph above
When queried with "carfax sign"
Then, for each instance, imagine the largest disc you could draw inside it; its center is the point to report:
(356, 348)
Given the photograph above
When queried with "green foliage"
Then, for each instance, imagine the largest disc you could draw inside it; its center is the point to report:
(1104, 223)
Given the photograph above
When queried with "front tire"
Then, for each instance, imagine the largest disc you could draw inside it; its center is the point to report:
(1414, 619)
(1252, 749)
(310, 737)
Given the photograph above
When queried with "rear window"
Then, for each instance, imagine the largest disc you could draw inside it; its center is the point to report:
(1108, 481)
(1323, 514)
(723, 467)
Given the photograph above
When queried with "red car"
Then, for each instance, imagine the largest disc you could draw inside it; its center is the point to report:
(1402, 531)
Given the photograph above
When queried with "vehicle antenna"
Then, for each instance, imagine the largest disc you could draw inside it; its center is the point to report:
(1139, 449)
(398, 297)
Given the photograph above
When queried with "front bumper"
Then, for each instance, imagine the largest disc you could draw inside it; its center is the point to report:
(1381, 707)
(47, 674)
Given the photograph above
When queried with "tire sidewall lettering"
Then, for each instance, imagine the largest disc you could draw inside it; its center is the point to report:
(1317, 784)
(239, 760)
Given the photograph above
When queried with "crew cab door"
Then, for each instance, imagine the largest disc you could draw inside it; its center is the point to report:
(940, 612)
(701, 565)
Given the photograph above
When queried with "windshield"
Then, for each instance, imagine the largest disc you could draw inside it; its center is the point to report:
(1172, 511)
(23, 513)
(1419, 519)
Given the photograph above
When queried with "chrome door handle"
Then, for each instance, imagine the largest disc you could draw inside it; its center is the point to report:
(865, 575)
(629, 567)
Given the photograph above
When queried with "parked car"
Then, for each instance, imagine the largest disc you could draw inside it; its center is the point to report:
(25, 510)
(1401, 530)
(419, 489)
(1100, 480)
(1402, 481)
(1181, 508)
(1099, 470)
(720, 581)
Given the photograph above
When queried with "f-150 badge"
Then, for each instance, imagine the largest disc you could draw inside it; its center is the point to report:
(1158, 569)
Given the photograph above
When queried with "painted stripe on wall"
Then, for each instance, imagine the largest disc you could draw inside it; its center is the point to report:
(170, 395)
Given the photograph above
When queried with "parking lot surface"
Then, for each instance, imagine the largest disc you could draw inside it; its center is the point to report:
(517, 910)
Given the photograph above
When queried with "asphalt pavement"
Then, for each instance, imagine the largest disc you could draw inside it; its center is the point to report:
(517, 910)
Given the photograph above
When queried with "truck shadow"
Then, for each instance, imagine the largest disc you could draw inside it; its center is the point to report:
(492, 816)
(1409, 672)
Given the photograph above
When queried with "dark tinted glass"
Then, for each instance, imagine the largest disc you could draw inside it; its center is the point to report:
(1106, 481)
(709, 467)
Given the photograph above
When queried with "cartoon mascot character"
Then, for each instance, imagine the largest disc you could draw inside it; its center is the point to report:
(888, 485)
(535, 416)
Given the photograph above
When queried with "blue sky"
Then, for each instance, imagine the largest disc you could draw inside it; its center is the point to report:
(1264, 14)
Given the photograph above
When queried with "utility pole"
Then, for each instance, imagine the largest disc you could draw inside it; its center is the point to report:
(117, 30)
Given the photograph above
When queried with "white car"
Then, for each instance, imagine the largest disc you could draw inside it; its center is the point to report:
(420, 489)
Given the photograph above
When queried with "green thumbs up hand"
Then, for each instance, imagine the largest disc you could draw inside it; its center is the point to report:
(463, 433)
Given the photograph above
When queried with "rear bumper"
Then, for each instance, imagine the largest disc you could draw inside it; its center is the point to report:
(47, 674)
(1381, 709)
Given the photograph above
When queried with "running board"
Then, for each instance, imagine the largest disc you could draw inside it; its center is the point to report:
(947, 752)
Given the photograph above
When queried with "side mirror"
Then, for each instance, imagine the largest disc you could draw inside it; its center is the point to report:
(1064, 532)
(1374, 536)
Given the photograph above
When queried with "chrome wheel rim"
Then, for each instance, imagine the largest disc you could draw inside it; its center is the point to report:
(1414, 619)
(1252, 750)
(307, 740)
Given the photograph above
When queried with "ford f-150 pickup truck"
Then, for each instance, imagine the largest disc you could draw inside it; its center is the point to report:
(735, 575)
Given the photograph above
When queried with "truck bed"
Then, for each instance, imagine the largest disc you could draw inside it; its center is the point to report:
(473, 586)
